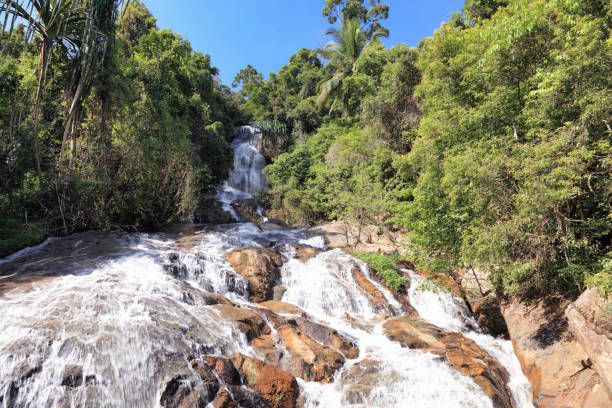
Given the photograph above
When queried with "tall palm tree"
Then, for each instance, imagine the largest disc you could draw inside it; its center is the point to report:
(342, 52)
(80, 26)
(52, 21)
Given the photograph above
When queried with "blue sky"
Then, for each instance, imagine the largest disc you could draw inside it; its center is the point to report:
(265, 33)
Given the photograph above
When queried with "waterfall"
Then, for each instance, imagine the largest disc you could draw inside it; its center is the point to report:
(246, 177)
(110, 319)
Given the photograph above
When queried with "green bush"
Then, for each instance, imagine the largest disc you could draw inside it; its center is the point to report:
(385, 267)
(15, 236)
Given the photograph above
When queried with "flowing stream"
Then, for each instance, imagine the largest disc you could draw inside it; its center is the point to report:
(107, 319)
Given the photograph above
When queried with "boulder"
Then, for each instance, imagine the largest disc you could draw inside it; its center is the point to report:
(247, 210)
(372, 238)
(259, 267)
(278, 388)
(311, 351)
(282, 308)
(248, 322)
(591, 323)
(556, 364)
(459, 352)
(362, 378)
(376, 297)
(304, 253)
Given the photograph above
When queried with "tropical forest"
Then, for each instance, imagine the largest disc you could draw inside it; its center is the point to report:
(371, 225)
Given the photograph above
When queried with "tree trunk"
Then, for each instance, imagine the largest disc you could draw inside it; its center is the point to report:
(69, 126)
(44, 49)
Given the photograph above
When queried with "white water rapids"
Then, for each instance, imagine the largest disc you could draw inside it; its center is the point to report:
(106, 319)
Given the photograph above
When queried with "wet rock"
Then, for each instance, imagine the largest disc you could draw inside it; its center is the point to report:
(224, 400)
(259, 267)
(488, 315)
(73, 377)
(248, 322)
(459, 352)
(304, 253)
(376, 297)
(555, 363)
(209, 211)
(311, 351)
(247, 210)
(278, 292)
(306, 358)
(282, 307)
(225, 369)
(278, 388)
(328, 337)
(245, 397)
(182, 392)
(362, 378)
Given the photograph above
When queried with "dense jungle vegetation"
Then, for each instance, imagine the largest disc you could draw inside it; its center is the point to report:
(106, 121)
(489, 144)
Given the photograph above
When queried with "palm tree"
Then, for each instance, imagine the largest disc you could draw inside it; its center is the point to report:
(342, 52)
(79, 26)
(52, 21)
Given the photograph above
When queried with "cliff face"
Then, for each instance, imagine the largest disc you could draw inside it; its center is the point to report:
(564, 349)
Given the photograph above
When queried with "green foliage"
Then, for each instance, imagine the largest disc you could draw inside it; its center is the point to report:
(386, 268)
(489, 145)
(510, 171)
(15, 236)
(132, 144)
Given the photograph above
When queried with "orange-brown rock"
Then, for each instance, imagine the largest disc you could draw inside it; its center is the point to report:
(459, 352)
(556, 364)
(592, 326)
(278, 388)
(375, 296)
(282, 307)
(305, 253)
(368, 238)
(259, 267)
(224, 400)
(248, 322)
(306, 358)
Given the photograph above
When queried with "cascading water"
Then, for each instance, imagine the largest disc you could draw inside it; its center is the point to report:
(246, 178)
(116, 320)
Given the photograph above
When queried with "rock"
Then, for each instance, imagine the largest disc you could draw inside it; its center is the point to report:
(362, 378)
(341, 235)
(488, 315)
(311, 351)
(183, 392)
(327, 337)
(592, 329)
(225, 369)
(476, 288)
(224, 400)
(306, 358)
(247, 210)
(248, 322)
(72, 377)
(376, 297)
(282, 307)
(259, 267)
(278, 388)
(304, 253)
(278, 292)
(459, 352)
(209, 211)
(555, 363)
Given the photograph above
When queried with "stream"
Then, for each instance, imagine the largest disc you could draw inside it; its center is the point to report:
(111, 319)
